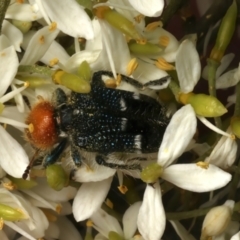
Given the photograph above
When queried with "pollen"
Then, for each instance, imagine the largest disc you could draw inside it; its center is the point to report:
(203, 165)
(42, 131)
(41, 40)
(53, 26)
(58, 208)
(53, 62)
(152, 26)
(109, 203)
(162, 64)
(26, 84)
(132, 65)
(9, 186)
(123, 189)
(119, 79)
(89, 223)
(139, 18)
(164, 41)
(142, 41)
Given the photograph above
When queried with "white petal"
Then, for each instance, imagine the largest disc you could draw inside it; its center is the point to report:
(67, 229)
(22, 12)
(13, 158)
(89, 198)
(48, 193)
(181, 231)
(38, 45)
(13, 34)
(151, 8)
(3, 236)
(84, 174)
(130, 220)
(4, 42)
(177, 136)
(224, 153)
(196, 179)
(76, 59)
(112, 58)
(236, 236)
(70, 17)
(227, 79)
(55, 51)
(188, 66)
(151, 218)
(104, 223)
(225, 62)
(8, 68)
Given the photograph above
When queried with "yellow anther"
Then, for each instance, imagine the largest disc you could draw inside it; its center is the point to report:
(53, 26)
(58, 208)
(123, 189)
(20, 1)
(164, 65)
(82, 40)
(9, 185)
(53, 62)
(109, 203)
(41, 40)
(139, 18)
(142, 41)
(26, 84)
(1, 223)
(164, 41)
(233, 137)
(152, 26)
(110, 83)
(119, 79)
(30, 128)
(89, 223)
(203, 165)
(132, 65)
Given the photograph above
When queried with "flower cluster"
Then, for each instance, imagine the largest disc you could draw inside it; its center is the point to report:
(59, 44)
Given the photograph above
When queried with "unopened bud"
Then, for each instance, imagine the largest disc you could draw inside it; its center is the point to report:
(204, 105)
(71, 81)
(11, 214)
(56, 177)
(217, 220)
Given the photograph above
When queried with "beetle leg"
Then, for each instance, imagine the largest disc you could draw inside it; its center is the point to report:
(104, 161)
(54, 155)
(77, 158)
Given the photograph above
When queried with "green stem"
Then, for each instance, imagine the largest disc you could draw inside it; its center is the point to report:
(173, 86)
(237, 103)
(194, 213)
(3, 8)
(212, 68)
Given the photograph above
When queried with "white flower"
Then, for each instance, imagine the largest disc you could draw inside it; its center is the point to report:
(192, 177)
(70, 17)
(105, 223)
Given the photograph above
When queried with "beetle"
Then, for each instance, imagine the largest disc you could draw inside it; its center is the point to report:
(106, 121)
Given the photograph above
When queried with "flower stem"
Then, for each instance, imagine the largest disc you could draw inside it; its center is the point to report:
(237, 104)
(3, 8)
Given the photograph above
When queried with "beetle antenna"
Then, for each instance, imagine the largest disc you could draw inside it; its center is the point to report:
(28, 168)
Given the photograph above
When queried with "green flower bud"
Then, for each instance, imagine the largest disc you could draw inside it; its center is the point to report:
(11, 214)
(33, 81)
(235, 126)
(23, 26)
(118, 21)
(144, 49)
(56, 177)
(71, 81)
(84, 71)
(21, 183)
(205, 105)
(114, 236)
(225, 33)
(151, 173)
